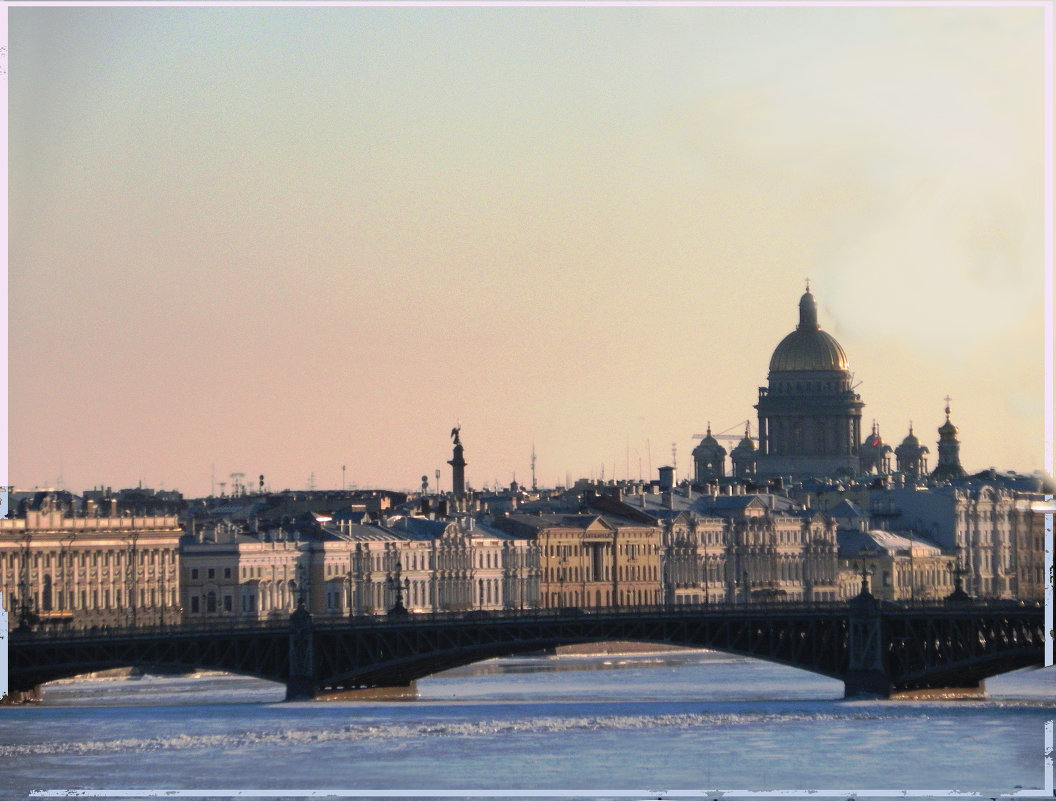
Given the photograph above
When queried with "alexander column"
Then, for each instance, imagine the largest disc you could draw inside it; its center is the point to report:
(458, 466)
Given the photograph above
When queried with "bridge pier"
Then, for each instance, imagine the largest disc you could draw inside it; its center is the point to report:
(867, 684)
(301, 684)
(33, 695)
(867, 676)
(300, 688)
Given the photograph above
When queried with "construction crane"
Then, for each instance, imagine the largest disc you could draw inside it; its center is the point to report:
(725, 436)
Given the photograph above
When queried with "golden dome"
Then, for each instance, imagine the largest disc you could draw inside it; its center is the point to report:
(808, 348)
(948, 431)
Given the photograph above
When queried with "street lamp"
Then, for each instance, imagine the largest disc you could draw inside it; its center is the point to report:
(958, 593)
(706, 577)
(65, 556)
(26, 617)
(865, 572)
(133, 575)
(393, 582)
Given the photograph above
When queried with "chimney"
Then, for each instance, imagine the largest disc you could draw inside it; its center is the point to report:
(669, 500)
(667, 478)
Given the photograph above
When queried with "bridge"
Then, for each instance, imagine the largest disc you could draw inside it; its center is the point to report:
(875, 648)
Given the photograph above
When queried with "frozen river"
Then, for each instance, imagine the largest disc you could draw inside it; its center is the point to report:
(686, 720)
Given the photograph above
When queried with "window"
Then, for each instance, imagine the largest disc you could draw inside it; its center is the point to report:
(227, 603)
(194, 604)
(227, 572)
(194, 572)
(212, 572)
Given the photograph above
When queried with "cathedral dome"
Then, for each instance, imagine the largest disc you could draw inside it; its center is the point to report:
(808, 348)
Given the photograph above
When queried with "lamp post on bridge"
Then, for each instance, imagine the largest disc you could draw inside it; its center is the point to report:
(27, 618)
(706, 576)
(132, 575)
(393, 582)
(865, 571)
(958, 594)
(66, 558)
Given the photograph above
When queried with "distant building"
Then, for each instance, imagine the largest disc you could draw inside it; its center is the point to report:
(80, 570)
(351, 563)
(987, 530)
(592, 560)
(732, 546)
(898, 567)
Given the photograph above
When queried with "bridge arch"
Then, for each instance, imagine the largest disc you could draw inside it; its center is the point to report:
(874, 649)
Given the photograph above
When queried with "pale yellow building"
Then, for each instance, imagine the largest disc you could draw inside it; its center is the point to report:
(60, 569)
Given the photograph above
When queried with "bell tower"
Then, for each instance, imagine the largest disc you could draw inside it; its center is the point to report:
(949, 465)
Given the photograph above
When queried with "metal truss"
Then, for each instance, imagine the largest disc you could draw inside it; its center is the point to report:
(903, 647)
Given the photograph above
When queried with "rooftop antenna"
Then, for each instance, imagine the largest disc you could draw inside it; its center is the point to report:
(534, 485)
(212, 481)
(674, 454)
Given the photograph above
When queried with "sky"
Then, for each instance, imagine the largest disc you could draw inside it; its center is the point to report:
(306, 243)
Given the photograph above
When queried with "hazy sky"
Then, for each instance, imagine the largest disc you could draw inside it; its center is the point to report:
(282, 240)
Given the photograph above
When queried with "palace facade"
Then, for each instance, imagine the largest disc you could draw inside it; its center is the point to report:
(58, 568)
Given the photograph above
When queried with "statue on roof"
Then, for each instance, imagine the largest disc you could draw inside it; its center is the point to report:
(454, 434)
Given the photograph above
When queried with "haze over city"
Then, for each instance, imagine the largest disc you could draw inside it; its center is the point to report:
(281, 241)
